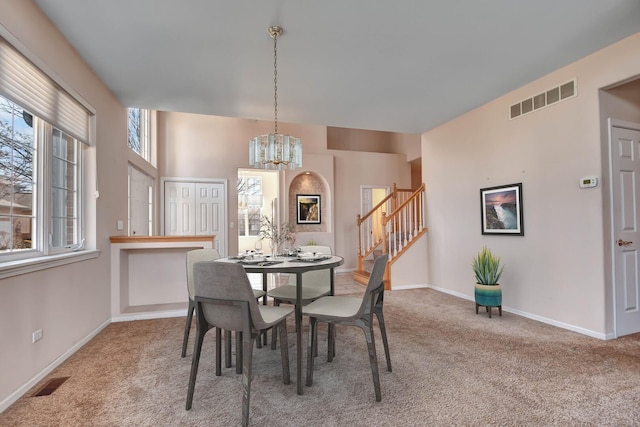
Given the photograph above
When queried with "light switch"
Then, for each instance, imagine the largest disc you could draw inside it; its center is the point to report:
(120, 225)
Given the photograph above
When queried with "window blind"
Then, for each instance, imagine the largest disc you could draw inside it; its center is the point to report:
(25, 84)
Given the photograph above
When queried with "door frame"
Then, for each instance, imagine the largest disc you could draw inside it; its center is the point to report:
(224, 219)
(364, 188)
(611, 123)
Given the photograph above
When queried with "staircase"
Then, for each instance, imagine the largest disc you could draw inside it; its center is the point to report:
(391, 226)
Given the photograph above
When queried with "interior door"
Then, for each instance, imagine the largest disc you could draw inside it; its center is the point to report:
(196, 209)
(624, 145)
(210, 208)
(179, 208)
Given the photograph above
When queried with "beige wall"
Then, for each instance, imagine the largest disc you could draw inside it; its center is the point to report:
(373, 141)
(200, 146)
(557, 271)
(72, 301)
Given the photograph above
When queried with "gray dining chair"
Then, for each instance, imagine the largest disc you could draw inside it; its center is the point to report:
(315, 284)
(193, 256)
(224, 300)
(352, 311)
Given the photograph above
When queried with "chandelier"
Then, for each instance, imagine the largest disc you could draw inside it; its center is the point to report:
(275, 151)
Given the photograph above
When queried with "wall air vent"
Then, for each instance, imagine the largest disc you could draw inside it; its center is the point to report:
(544, 99)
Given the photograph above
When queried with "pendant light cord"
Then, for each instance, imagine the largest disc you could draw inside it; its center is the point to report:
(275, 81)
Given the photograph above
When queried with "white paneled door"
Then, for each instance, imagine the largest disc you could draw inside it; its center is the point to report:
(196, 209)
(625, 180)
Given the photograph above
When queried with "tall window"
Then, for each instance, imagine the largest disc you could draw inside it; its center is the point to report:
(138, 132)
(43, 135)
(65, 195)
(249, 205)
(40, 182)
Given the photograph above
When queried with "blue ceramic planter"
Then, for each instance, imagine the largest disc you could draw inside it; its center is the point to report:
(488, 295)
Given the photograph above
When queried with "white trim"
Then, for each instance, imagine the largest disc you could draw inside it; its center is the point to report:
(13, 397)
(405, 287)
(623, 124)
(29, 265)
(567, 326)
(149, 315)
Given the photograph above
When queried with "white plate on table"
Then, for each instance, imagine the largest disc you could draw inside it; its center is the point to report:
(311, 256)
(256, 260)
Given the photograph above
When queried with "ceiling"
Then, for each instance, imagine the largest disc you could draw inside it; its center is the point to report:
(399, 66)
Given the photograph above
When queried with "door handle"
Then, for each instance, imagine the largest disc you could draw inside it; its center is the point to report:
(623, 242)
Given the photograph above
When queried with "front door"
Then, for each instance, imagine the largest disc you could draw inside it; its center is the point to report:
(624, 146)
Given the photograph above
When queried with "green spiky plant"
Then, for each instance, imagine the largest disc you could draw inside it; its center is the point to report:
(486, 267)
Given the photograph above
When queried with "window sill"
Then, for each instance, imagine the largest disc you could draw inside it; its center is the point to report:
(30, 265)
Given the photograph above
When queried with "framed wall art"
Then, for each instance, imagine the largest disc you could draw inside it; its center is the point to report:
(308, 208)
(501, 210)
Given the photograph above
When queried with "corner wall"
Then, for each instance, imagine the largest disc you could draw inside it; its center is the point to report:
(556, 272)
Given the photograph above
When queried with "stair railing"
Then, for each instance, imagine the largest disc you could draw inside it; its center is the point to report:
(376, 227)
(404, 224)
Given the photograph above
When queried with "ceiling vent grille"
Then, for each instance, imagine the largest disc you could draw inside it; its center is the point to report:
(544, 99)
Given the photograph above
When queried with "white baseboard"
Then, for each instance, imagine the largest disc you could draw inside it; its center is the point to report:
(181, 313)
(128, 317)
(404, 287)
(567, 326)
(46, 371)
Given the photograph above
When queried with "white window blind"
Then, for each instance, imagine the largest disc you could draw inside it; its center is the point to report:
(25, 84)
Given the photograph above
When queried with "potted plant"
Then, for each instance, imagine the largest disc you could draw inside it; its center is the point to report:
(487, 269)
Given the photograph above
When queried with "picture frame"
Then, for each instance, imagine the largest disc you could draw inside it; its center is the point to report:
(308, 209)
(501, 210)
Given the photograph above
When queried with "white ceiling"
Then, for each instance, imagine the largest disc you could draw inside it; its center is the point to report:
(391, 65)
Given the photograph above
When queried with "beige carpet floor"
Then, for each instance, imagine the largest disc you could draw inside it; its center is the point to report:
(450, 367)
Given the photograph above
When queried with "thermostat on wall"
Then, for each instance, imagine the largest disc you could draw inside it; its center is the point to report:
(589, 182)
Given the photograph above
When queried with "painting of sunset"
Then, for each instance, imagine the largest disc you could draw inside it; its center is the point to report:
(501, 210)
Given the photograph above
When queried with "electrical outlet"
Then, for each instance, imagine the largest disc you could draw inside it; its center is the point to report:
(36, 336)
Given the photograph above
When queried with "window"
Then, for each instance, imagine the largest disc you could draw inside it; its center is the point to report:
(17, 155)
(44, 132)
(65, 195)
(138, 132)
(39, 185)
(249, 205)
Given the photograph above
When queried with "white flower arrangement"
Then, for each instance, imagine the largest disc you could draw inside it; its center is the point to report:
(277, 234)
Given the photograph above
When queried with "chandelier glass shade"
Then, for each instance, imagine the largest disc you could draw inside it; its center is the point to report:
(275, 150)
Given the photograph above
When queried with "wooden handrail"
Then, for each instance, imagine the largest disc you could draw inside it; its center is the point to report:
(413, 196)
(392, 232)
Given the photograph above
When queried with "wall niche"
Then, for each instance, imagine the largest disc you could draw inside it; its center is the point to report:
(308, 183)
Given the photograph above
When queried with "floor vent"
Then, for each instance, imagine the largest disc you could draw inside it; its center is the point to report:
(51, 386)
(544, 99)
